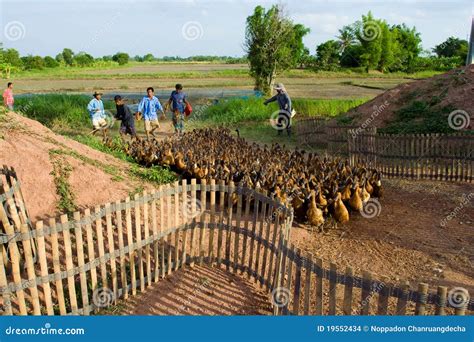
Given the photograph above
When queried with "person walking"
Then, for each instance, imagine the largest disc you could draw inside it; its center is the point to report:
(179, 103)
(97, 114)
(148, 108)
(285, 108)
(8, 99)
(124, 114)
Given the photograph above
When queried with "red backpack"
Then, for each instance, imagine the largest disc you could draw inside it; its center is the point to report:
(188, 109)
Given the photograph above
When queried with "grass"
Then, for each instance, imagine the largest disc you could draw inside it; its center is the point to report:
(109, 169)
(61, 172)
(154, 174)
(420, 117)
(57, 111)
(187, 70)
(234, 111)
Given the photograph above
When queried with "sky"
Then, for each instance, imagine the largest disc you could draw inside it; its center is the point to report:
(202, 27)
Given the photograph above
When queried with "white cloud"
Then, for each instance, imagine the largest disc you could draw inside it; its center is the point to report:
(326, 23)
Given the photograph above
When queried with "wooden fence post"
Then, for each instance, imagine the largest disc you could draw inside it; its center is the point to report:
(123, 272)
(422, 297)
(146, 235)
(57, 267)
(202, 222)
(80, 262)
(441, 302)
(237, 225)
(44, 268)
(69, 263)
(186, 207)
(111, 250)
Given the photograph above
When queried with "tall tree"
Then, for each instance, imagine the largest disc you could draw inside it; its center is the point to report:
(387, 58)
(12, 56)
(369, 34)
(68, 56)
(346, 37)
(121, 58)
(407, 47)
(273, 44)
(452, 47)
(328, 55)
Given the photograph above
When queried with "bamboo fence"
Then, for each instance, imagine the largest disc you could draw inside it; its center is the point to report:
(97, 257)
(446, 157)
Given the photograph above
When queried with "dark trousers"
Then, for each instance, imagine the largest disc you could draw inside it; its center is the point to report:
(284, 122)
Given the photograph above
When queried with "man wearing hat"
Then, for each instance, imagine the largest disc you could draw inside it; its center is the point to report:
(286, 110)
(97, 114)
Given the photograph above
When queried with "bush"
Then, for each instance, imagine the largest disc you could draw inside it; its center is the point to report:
(50, 62)
(121, 58)
(83, 60)
(32, 62)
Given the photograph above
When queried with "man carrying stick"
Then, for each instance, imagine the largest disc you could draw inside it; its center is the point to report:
(97, 114)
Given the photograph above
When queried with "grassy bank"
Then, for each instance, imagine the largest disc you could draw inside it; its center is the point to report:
(58, 111)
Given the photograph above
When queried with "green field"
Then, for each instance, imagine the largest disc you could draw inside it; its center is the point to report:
(135, 77)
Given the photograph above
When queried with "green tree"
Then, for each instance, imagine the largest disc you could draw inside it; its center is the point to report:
(273, 43)
(452, 47)
(32, 62)
(148, 57)
(12, 57)
(387, 58)
(328, 55)
(50, 62)
(407, 47)
(68, 56)
(83, 59)
(351, 56)
(346, 37)
(121, 58)
(369, 35)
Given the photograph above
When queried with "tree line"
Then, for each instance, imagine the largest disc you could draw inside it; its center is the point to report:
(274, 43)
(11, 60)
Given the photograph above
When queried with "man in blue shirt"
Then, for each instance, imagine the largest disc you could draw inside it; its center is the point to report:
(148, 108)
(179, 102)
(97, 114)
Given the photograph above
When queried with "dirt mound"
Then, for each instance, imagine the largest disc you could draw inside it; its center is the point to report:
(49, 165)
(442, 94)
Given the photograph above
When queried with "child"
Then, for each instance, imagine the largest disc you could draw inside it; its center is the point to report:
(148, 107)
(97, 114)
(125, 115)
(8, 99)
(178, 99)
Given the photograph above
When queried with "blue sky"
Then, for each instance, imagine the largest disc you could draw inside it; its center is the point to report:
(202, 27)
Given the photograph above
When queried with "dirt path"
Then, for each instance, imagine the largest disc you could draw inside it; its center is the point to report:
(199, 291)
(408, 240)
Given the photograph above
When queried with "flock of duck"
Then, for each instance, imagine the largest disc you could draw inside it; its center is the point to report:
(317, 187)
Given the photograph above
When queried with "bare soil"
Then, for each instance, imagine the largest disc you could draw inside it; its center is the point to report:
(26, 145)
(407, 240)
(199, 291)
